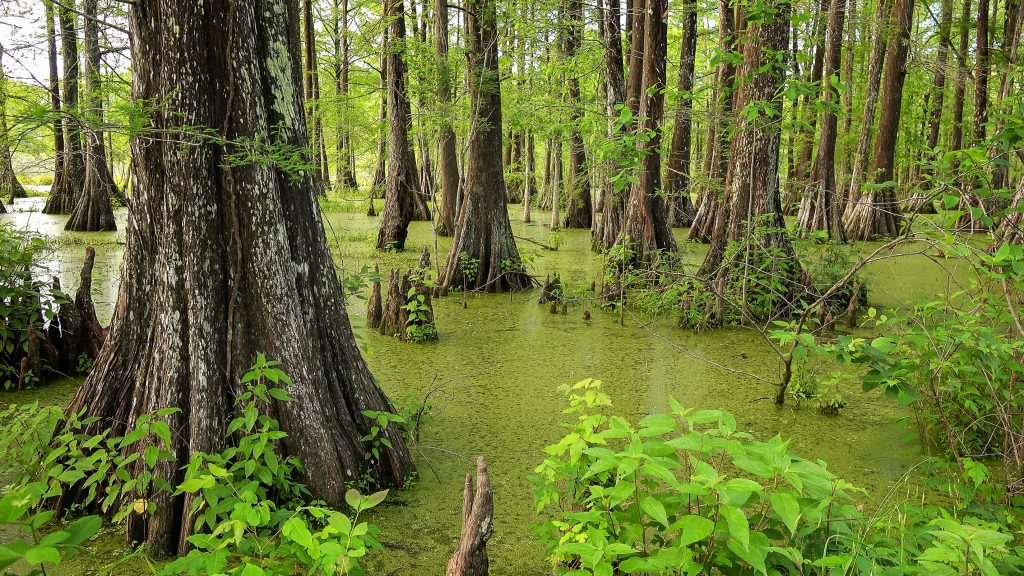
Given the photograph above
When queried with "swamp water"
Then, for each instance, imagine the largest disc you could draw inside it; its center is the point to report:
(496, 368)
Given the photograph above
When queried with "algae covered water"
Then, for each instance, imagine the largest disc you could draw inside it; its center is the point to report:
(494, 372)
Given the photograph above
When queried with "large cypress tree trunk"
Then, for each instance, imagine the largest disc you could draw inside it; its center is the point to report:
(224, 260)
(483, 234)
(447, 159)
(750, 212)
(614, 210)
(92, 208)
(345, 164)
(65, 190)
(677, 181)
(646, 226)
(9, 185)
(400, 197)
(876, 213)
(578, 205)
(860, 163)
(716, 159)
(807, 131)
(821, 208)
(848, 94)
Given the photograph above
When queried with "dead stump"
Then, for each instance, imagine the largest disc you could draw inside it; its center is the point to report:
(551, 291)
(373, 307)
(470, 557)
(407, 312)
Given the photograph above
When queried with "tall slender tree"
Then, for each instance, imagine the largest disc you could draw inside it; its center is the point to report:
(646, 227)
(447, 158)
(54, 93)
(578, 209)
(821, 208)
(876, 212)
(65, 189)
(208, 240)
(614, 205)
(716, 158)
(9, 185)
(92, 208)
(311, 89)
(345, 164)
(677, 179)
(483, 255)
(400, 197)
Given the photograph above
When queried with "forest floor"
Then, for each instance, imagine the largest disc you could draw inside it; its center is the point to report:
(499, 361)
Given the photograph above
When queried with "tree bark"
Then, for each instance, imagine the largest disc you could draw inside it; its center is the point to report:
(400, 198)
(54, 93)
(227, 259)
(447, 159)
(956, 135)
(483, 232)
(578, 208)
(821, 208)
(380, 172)
(92, 209)
(646, 226)
(677, 181)
(938, 86)
(876, 212)
(65, 189)
(750, 213)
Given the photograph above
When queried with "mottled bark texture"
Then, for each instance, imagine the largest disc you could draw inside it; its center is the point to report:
(677, 180)
(9, 185)
(578, 211)
(470, 557)
(750, 229)
(380, 169)
(447, 155)
(822, 206)
(646, 227)
(227, 258)
(484, 254)
(400, 196)
(54, 90)
(614, 205)
(716, 159)
(92, 207)
(70, 179)
(876, 212)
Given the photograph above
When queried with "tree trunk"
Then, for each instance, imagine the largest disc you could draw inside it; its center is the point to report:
(677, 185)
(400, 198)
(483, 233)
(321, 173)
(807, 132)
(646, 227)
(92, 209)
(821, 208)
(614, 209)
(876, 213)
(380, 172)
(447, 159)
(345, 165)
(716, 159)
(577, 207)
(971, 203)
(851, 84)
(65, 189)
(556, 182)
(956, 135)
(55, 102)
(9, 185)
(224, 260)
(938, 87)
(751, 214)
(874, 78)
(470, 557)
